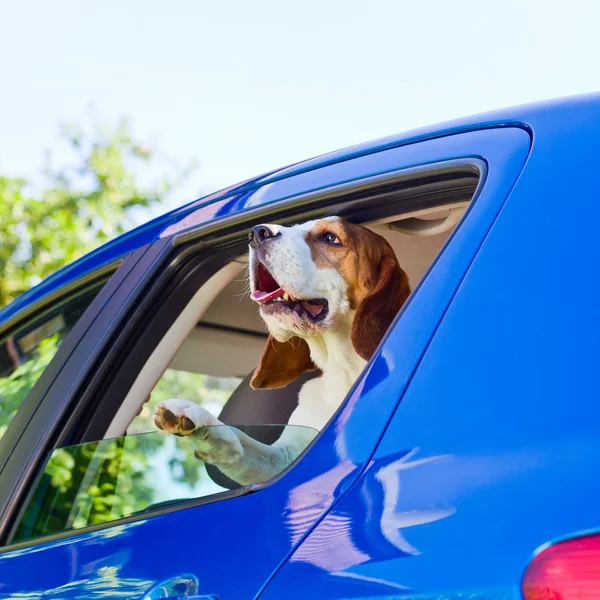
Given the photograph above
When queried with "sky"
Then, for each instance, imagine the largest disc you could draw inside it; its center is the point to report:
(244, 87)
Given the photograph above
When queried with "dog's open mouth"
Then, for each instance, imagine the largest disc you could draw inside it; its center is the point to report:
(273, 298)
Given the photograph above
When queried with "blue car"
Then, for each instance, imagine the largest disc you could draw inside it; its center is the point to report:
(463, 463)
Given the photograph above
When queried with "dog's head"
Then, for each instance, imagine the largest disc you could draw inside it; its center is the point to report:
(320, 276)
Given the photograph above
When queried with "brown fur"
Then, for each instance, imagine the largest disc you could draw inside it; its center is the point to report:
(378, 308)
(377, 286)
(281, 363)
(377, 289)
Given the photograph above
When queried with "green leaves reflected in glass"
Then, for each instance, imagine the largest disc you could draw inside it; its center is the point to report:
(103, 481)
(15, 386)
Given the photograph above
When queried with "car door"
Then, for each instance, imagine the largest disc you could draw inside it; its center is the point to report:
(491, 454)
(230, 546)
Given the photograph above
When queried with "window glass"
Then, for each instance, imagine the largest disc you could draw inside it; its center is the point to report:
(99, 482)
(208, 391)
(25, 355)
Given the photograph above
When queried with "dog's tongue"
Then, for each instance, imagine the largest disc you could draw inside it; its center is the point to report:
(313, 309)
(262, 297)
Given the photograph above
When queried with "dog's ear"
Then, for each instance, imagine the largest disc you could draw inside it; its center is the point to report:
(377, 309)
(281, 363)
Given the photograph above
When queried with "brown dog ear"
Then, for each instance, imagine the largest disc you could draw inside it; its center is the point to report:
(377, 309)
(281, 363)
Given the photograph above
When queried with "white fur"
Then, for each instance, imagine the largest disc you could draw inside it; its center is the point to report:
(288, 258)
(334, 354)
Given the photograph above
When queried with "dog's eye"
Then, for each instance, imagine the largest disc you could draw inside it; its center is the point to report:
(331, 238)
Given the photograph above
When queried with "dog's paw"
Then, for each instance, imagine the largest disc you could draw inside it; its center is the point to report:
(182, 417)
(213, 441)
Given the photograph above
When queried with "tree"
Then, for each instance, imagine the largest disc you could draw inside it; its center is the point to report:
(76, 208)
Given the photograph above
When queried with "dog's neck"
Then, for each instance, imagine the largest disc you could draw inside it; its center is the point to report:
(334, 354)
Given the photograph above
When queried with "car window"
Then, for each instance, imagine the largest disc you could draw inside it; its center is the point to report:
(188, 364)
(206, 390)
(99, 482)
(25, 354)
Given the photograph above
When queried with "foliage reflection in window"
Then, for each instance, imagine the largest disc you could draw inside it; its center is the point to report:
(15, 386)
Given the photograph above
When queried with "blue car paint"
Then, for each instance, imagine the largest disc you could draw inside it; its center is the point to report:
(117, 249)
(495, 447)
(269, 524)
(537, 451)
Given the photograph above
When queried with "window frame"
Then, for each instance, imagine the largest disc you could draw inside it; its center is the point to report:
(197, 255)
(159, 294)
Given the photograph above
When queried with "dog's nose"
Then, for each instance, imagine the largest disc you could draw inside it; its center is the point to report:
(260, 234)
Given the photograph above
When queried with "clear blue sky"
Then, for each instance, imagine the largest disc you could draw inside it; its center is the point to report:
(245, 87)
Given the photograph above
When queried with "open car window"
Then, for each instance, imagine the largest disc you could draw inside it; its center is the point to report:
(98, 482)
(209, 391)
(198, 340)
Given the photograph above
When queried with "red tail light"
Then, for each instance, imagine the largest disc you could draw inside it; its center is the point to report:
(568, 570)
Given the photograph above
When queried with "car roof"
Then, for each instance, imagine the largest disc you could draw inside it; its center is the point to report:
(170, 223)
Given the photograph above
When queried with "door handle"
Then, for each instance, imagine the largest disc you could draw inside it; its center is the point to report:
(180, 587)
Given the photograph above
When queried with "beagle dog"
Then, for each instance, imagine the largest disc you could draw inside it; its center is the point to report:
(327, 291)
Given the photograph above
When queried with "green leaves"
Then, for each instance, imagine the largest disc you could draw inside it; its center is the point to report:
(78, 206)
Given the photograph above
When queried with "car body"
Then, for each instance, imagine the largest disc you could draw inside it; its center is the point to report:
(470, 441)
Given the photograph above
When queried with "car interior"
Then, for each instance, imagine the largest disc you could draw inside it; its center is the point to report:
(220, 333)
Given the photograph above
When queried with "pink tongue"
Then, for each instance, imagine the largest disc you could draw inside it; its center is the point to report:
(313, 309)
(261, 297)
